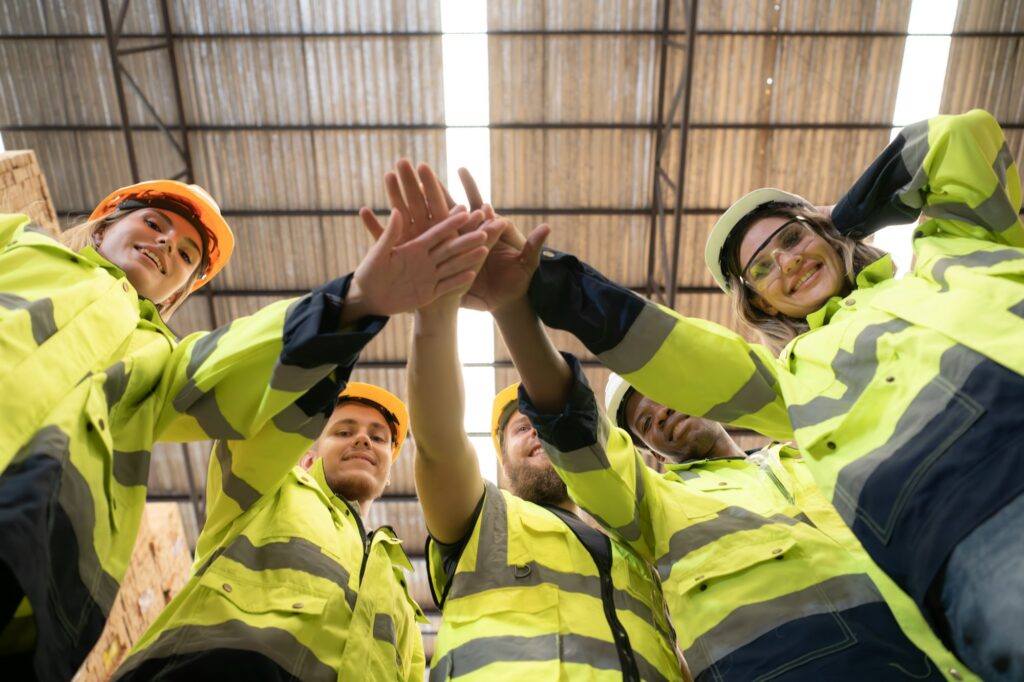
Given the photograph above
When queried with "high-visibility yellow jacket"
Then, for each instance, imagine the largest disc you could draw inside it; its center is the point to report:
(527, 602)
(90, 378)
(761, 576)
(292, 588)
(904, 396)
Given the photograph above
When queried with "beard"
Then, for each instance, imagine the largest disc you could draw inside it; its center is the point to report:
(540, 486)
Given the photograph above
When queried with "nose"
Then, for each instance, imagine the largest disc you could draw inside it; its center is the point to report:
(788, 262)
(662, 415)
(362, 438)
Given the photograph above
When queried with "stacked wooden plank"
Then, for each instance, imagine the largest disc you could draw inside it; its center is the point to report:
(23, 189)
(158, 570)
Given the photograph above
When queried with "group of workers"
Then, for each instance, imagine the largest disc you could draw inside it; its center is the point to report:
(875, 538)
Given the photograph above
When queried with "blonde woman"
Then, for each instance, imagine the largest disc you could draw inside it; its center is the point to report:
(91, 377)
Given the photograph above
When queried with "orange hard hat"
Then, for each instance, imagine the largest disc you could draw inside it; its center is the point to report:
(192, 202)
(396, 414)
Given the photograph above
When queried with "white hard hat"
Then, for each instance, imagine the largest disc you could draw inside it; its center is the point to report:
(736, 213)
(615, 392)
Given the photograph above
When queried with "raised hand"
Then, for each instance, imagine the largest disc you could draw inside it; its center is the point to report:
(406, 269)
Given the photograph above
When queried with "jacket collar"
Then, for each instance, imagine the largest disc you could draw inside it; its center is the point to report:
(147, 309)
(872, 275)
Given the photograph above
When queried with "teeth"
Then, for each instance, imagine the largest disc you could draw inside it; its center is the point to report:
(151, 257)
(806, 276)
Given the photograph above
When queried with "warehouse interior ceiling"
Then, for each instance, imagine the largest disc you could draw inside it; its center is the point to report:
(628, 126)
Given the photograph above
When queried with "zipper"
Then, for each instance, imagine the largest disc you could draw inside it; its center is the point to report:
(764, 464)
(367, 539)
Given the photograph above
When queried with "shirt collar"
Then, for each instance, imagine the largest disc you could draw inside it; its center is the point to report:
(871, 275)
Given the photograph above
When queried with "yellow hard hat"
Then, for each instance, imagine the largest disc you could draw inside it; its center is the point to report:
(505, 403)
(194, 204)
(394, 410)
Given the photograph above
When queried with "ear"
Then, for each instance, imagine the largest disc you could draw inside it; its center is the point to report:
(764, 306)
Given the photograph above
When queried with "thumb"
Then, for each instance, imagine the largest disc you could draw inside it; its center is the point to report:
(534, 243)
(392, 233)
(371, 223)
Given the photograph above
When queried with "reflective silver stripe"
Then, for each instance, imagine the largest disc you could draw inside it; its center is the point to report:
(493, 572)
(384, 628)
(632, 531)
(995, 213)
(752, 396)
(131, 468)
(296, 554)
(483, 651)
(1018, 308)
(747, 623)
(974, 259)
(853, 369)
(203, 407)
(114, 383)
(77, 501)
(955, 366)
(293, 420)
(729, 520)
(234, 487)
(40, 313)
(203, 348)
(643, 339)
(913, 154)
(1004, 159)
(593, 457)
(293, 378)
(49, 440)
(277, 644)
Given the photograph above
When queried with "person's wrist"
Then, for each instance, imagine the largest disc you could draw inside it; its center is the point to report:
(355, 305)
(511, 310)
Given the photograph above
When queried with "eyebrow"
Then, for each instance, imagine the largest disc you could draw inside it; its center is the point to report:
(353, 422)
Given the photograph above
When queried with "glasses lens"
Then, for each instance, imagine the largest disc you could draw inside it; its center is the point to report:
(764, 267)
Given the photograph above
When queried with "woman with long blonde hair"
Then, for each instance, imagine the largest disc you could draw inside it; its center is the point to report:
(91, 377)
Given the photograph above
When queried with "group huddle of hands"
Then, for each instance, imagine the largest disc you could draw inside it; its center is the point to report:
(433, 252)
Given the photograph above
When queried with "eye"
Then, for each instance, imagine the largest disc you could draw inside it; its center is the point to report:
(186, 257)
(791, 237)
(342, 433)
(760, 268)
(153, 225)
(525, 426)
(378, 439)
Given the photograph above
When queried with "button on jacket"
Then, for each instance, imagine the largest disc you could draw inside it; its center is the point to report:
(903, 397)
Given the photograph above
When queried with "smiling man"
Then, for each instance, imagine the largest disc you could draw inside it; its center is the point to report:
(295, 588)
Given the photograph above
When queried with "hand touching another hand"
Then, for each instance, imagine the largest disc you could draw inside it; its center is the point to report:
(409, 267)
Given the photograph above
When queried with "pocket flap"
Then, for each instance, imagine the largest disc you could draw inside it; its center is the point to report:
(261, 597)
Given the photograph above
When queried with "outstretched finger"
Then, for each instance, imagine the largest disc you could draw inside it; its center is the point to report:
(413, 194)
(476, 200)
(443, 230)
(494, 229)
(371, 223)
(394, 190)
(460, 244)
(467, 260)
(454, 283)
(436, 201)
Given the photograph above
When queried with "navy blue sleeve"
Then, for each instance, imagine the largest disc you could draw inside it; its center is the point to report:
(873, 201)
(311, 333)
(312, 338)
(568, 294)
(575, 425)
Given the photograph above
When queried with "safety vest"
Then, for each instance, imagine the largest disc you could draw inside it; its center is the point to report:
(294, 585)
(903, 396)
(762, 577)
(90, 377)
(527, 602)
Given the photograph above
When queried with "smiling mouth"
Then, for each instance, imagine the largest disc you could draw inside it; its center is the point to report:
(153, 258)
(806, 276)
